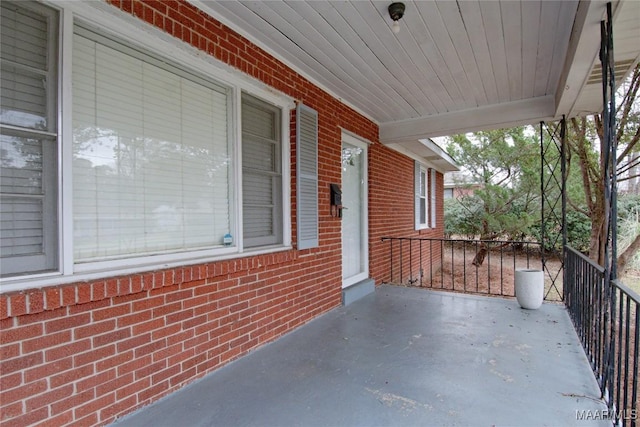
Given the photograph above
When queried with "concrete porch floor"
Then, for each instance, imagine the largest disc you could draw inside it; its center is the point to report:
(400, 357)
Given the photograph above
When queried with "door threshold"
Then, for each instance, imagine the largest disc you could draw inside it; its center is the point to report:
(358, 290)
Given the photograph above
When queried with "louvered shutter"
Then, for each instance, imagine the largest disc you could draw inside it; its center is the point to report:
(307, 176)
(28, 146)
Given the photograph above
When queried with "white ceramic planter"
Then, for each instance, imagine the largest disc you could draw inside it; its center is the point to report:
(529, 285)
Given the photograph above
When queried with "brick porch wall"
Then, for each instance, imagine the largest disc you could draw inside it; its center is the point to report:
(391, 212)
(89, 352)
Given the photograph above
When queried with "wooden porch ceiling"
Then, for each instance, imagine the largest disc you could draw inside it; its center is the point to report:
(454, 66)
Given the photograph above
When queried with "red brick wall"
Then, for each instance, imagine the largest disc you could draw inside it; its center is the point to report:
(88, 352)
(391, 214)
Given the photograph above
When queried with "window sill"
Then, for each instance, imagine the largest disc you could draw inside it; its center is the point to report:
(23, 283)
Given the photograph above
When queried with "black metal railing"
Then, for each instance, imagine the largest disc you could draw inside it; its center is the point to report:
(605, 318)
(470, 266)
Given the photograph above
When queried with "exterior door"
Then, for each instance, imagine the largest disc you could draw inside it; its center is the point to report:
(355, 236)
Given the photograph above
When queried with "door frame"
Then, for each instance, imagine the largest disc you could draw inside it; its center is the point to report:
(364, 213)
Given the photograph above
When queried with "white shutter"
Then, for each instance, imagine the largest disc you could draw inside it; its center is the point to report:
(307, 177)
(151, 158)
(28, 173)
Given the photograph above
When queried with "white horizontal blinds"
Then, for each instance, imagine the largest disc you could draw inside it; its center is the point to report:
(432, 193)
(28, 144)
(261, 173)
(25, 67)
(151, 157)
(307, 177)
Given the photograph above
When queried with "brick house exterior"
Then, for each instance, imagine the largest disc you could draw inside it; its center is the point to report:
(86, 352)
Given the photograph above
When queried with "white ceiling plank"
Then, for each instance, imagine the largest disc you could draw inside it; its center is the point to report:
(511, 25)
(306, 37)
(451, 95)
(425, 78)
(243, 17)
(457, 29)
(368, 21)
(452, 65)
(436, 27)
(492, 18)
(549, 25)
(567, 10)
(322, 64)
(475, 28)
(530, 31)
(422, 49)
(257, 32)
(342, 30)
(323, 33)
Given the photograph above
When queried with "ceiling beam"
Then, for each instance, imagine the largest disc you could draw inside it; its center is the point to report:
(581, 55)
(530, 111)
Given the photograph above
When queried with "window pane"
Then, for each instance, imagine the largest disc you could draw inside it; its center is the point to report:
(21, 159)
(28, 160)
(423, 211)
(24, 36)
(151, 157)
(24, 98)
(261, 176)
(25, 67)
(21, 223)
(423, 183)
(21, 211)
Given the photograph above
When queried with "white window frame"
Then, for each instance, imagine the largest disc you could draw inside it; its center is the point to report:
(114, 23)
(420, 169)
(432, 197)
(429, 197)
(50, 258)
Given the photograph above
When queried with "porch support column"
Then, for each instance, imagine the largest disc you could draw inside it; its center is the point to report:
(609, 148)
(553, 178)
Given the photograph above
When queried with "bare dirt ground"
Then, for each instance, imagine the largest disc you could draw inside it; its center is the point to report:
(496, 274)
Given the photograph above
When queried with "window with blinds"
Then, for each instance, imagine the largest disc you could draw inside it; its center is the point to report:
(28, 139)
(432, 194)
(153, 161)
(425, 196)
(261, 173)
(151, 155)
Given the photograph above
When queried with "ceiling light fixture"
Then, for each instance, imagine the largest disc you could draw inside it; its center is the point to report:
(396, 11)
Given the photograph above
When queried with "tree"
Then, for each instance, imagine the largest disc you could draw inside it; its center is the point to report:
(584, 138)
(504, 167)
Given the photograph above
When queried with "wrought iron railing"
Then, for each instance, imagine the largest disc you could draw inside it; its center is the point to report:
(604, 314)
(470, 266)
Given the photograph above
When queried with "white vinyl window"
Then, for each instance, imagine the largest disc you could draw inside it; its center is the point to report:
(261, 173)
(28, 139)
(150, 157)
(432, 194)
(425, 197)
(421, 197)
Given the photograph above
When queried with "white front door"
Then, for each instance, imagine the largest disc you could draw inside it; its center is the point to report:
(355, 236)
